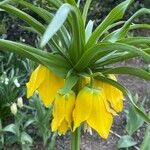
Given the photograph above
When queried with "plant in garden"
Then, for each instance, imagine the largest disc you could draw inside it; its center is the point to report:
(19, 128)
(42, 118)
(75, 74)
(9, 92)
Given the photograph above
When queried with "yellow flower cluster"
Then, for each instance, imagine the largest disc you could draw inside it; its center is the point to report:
(94, 106)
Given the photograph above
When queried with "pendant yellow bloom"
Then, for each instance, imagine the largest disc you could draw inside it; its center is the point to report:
(46, 83)
(62, 112)
(90, 107)
(113, 95)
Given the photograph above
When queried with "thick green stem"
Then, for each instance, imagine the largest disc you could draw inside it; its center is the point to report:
(75, 139)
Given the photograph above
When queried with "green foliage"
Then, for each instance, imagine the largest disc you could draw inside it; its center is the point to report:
(42, 120)
(145, 144)
(9, 92)
(126, 141)
(99, 9)
(134, 122)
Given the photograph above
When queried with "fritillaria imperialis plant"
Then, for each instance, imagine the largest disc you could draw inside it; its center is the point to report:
(75, 73)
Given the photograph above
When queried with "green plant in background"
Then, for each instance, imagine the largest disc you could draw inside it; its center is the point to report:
(73, 55)
(42, 118)
(26, 118)
(19, 129)
(9, 92)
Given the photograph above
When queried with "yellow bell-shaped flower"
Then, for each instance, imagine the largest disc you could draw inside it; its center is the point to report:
(90, 107)
(46, 83)
(62, 112)
(113, 95)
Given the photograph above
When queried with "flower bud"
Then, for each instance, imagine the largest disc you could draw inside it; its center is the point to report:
(16, 83)
(20, 102)
(13, 108)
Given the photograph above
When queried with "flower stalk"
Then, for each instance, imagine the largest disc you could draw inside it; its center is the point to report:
(75, 139)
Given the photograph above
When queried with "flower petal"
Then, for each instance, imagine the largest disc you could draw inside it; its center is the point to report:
(62, 113)
(100, 119)
(83, 106)
(49, 87)
(113, 95)
(69, 106)
(62, 129)
(58, 112)
(36, 79)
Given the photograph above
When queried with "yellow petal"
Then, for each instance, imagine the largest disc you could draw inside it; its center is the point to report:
(116, 97)
(49, 87)
(113, 95)
(58, 112)
(69, 106)
(63, 127)
(62, 113)
(100, 119)
(36, 79)
(82, 107)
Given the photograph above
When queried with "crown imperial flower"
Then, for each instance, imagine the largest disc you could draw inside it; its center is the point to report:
(62, 112)
(46, 83)
(91, 107)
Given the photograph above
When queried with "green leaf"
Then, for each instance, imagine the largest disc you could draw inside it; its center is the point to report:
(53, 141)
(134, 121)
(85, 10)
(72, 2)
(135, 40)
(116, 14)
(55, 3)
(70, 82)
(121, 33)
(56, 23)
(26, 138)
(145, 144)
(25, 17)
(5, 1)
(126, 141)
(100, 50)
(139, 26)
(43, 13)
(128, 70)
(88, 30)
(10, 128)
(78, 34)
(56, 63)
(122, 57)
(29, 122)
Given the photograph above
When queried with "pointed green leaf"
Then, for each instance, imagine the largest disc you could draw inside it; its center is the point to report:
(129, 70)
(134, 121)
(85, 10)
(56, 63)
(100, 50)
(88, 30)
(56, 23)
(25, 17)
(126, 141)
(145, 144)
(69, 84)
(121, 33)
(116, 14)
